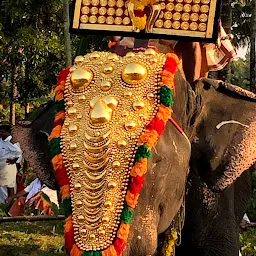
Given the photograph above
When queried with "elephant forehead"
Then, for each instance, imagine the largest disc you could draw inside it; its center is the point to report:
(105, 117)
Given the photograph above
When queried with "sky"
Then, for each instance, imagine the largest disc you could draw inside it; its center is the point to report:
(241, 52)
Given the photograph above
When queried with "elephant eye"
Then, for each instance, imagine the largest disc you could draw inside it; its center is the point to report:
(134, 73)
(81, 78)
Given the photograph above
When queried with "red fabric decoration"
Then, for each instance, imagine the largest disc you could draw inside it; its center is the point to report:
(157, 125)
(59, 122)
(111, 44)
(119, 245)
(136, 184)
(139, 13)
(171, 65)
(69, 240)
(61, 177)
(63, 75)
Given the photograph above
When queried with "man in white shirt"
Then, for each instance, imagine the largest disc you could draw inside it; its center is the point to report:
(10, 154)
(32, 196)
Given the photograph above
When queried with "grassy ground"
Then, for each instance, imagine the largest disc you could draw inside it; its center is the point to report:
(33, 239)
(46, 239)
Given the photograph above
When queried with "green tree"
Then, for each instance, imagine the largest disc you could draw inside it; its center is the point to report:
(32, 47)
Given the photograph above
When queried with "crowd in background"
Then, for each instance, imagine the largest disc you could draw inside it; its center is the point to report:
(36, 197)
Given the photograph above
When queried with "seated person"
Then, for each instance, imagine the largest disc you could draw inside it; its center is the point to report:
(36, 196)
(197, 59)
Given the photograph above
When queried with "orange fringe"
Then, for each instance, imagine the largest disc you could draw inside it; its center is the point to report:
(65, 191)
(111, 251)
(166, 73)
(57, 162)
(149, 137)
(140, 168)
(75, 251)
(55, 132)
(68, 224)
(169, 81)
(164, 113)
(123, 231)
(132, 199)
(60, 116)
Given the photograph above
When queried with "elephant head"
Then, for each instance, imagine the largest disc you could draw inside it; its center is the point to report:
(219, 185)
(33, 137)
(225, 142)
(163, 191)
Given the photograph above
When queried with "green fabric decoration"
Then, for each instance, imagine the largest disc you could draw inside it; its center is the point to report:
(67, 207)
(91, 253)
(54, 146)
(59, 105)
(127, 214)
(142, 152)
(166, 96)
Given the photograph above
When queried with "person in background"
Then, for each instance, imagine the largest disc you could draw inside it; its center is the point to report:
(35, 196)
(10, 155)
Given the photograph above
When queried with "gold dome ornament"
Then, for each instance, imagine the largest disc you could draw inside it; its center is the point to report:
(130, 125)
(71, 111)
(81, 78)
(150, 52)
(102, 109)
(112, 184)
(105, 85)
(134, 73)
(138, 105)
(108, 70)
(79, 59)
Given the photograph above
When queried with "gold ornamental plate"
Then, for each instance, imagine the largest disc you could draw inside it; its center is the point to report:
(109, 100)
(195, 20)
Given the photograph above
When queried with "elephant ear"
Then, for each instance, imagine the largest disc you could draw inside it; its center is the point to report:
(225, 143)
(35, 151)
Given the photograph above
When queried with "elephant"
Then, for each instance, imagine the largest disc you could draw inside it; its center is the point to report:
(164, 188)
(160, 201)
(214, 209)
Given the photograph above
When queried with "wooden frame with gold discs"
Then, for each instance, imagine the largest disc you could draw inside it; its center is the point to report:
(195, 20)
(109, 100)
